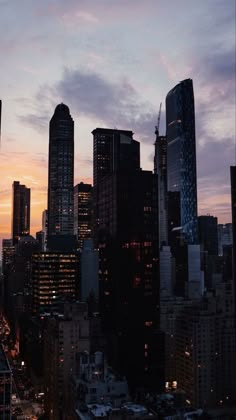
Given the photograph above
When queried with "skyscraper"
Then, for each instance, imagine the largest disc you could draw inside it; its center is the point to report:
(233, 204)
(181, 162)
(83, 212)
(20, 211)
(127, 237)
(160, 168)
(61, 173)
(112, 150)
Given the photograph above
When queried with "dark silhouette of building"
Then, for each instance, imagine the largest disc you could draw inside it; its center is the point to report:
(127, 236)
(233, 204)
(181, 161)
(160, 168)
(208, 234)
(20, 211)
(112, 150)
(83, 200)
(61, 173)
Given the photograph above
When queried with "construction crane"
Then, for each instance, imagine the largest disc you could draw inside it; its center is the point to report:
(158, 121)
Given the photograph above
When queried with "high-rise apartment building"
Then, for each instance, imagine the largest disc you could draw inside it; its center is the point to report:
(83, 200)
(208, 234)
(20, 211)
(181, 161)
(61, 173)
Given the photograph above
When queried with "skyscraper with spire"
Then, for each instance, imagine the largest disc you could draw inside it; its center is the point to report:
(61, 173)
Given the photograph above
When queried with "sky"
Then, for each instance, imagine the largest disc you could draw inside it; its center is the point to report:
(112, 62)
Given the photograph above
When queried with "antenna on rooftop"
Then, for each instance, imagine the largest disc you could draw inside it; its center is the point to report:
(158, 121)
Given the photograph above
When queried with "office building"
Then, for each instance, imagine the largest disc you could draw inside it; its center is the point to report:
(54, 279)
(181, 162)
(113, 150)
(83, 200)
(5, 386)
(208, 234)
(20, 211)
(61, 173)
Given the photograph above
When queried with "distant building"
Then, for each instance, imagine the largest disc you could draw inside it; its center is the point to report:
(208, 235)
(181, 161)
(61, 172)
(5, 386)
(8, 250)
(20, 211)
(225, 236)
(83, 200)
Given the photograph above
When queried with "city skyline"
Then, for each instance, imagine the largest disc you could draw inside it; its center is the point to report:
(94, 71)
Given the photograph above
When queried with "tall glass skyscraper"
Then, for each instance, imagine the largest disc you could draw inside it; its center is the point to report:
(181, 161)
(61, 172)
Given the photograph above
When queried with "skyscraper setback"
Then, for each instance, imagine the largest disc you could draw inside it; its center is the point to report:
(181, 162)
(61, 172)
(20, 211)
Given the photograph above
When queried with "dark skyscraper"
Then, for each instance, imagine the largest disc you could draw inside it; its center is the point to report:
(208, 234)
(112, 150)
(127, 227)
(83, 212)
(160, 168)
(61, 173)
(233, 203)
(181, 161)
(20, 211)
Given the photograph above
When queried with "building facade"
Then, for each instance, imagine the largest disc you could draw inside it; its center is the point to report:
(54, 279)
(181, 161)
(83, 200)
(20, 211)
(61, 173)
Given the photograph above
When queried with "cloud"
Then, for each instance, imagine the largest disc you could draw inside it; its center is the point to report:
(113, 104)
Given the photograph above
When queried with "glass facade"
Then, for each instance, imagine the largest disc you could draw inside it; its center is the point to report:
(61, 173)
(181, 161)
